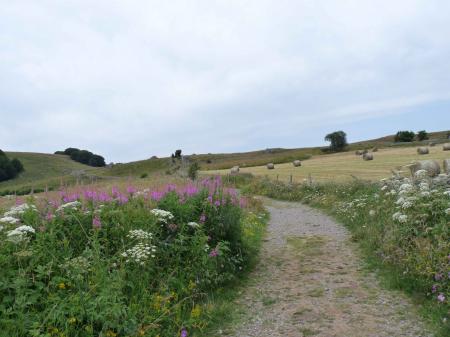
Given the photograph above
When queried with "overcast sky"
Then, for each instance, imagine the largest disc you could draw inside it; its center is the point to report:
(131, 79)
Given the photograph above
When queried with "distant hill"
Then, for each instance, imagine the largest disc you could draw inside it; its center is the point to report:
(42, 169)
(49, 170)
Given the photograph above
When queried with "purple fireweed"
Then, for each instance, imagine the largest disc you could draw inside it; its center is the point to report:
(96, 223)
(434, 288)
(49, 216)
(214, 253)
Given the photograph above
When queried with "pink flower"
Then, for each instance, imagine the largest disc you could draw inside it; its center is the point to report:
(202, 218)
(441, 297)
(49, 216)
(213, 253)
(183, 333)
(96, 223)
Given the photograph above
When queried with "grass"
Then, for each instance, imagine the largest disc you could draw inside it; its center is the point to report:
(344, 166)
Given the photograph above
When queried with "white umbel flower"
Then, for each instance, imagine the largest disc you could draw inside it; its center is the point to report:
(20, 233)
(9, 219)
(70, 205)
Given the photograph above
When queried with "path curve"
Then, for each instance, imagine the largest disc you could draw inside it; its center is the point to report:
(311, 282)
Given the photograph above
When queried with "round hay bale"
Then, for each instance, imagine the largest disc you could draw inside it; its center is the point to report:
(375, 149)
(368, 156)
(446, 147)
(431, 166)
(235, 170)
(358, 152)
(447, 166)
(270, 166)
(432, 144)
(423, 150)
(297, 163)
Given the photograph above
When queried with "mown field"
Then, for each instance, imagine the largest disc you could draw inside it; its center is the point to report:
(345, 166)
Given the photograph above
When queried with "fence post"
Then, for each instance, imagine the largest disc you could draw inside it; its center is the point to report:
(290, 179)
(277, 177)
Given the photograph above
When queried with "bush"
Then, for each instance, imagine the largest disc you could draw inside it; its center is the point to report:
(84, 157)
(193, 170)
(144, 175)
(422, 135)
(405, 136)
(113, 264)
(9, 169)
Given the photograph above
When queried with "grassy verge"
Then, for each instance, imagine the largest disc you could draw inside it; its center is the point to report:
(402, 227)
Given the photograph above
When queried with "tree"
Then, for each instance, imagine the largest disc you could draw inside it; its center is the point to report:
(337, 139)
(193, 170)
(17, 165)
(178, 154)
(71, 150)
(422, 135)
(405, 136)
(97, 161)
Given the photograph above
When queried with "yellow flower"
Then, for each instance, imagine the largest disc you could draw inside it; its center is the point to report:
(72, 320)
(191, 285)
(141, 332)
(62, 285)
(196, 311)
(110, 333)
(157, 302)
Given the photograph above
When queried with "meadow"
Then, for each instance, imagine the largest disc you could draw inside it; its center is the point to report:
(124, 261)
(344, 166)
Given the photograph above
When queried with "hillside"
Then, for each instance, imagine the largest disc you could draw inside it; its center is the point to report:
(42, 169)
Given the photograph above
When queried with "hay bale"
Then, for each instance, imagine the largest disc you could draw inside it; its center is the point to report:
(431, 166)
(375, 149)
(297, 163)
(270, 166)
(423, 150)
(368, 156)
(447, 166)
(431, 144)
(446, 147)
(234, 170)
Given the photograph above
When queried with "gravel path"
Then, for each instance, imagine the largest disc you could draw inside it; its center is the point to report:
(310, 282)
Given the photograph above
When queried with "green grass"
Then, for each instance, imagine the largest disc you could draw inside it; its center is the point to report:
(42, 170)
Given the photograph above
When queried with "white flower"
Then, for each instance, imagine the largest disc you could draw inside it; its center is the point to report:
(140, 234)
(20, 233)
(400, 201)
(19, 210)
(139, 253)
(372, 212)
(447, 211)
(402, 218)
(407, 204)
(70, 205)
(193, 224)
(420, 174)
(9, 219)
(425, 194)
(162, 215)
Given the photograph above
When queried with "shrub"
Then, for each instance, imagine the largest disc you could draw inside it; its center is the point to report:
(84, 157)
(422, 135)
(193, 170)
(144, 175)
(177, 154)
(337, 139)
(404, 136)
(9, 169)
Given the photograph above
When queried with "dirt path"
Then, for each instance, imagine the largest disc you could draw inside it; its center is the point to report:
(310, 282)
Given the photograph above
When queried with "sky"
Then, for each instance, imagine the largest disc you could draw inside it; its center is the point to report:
(131, 79)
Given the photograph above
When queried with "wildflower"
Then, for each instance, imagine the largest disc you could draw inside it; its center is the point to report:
(441, 297)
(96, 223)
(62, 285)
(183, 333)
(9, 219)
(172, 227)
(403, 218)
(196, 311)
(213, 253)
(372, 212)
(72, 320)
(140, 253)
(434, 288)
(140, 234)
(49, 216)
(19, 210)
(20, 233)
(202, 218)
(193, 224)
(162, 215)
(73, 205)
(447, 211)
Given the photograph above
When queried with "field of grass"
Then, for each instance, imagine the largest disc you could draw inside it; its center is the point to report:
(343, 166)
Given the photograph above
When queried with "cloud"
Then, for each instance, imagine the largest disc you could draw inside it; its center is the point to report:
(136, 78)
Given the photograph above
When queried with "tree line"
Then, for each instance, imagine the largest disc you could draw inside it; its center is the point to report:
(83, 156)
(9, 168)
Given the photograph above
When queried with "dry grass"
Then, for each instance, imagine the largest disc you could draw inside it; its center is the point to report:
(342, 166)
